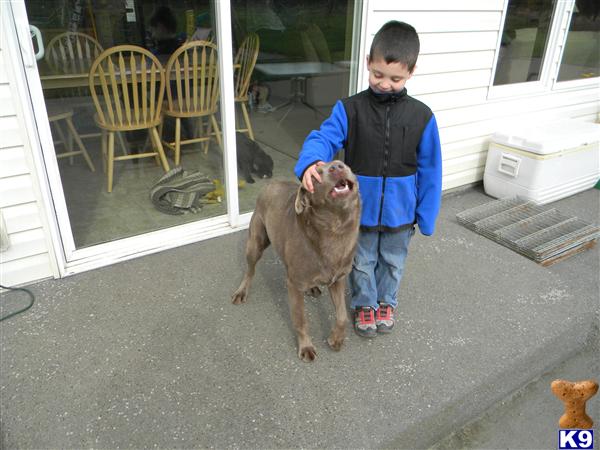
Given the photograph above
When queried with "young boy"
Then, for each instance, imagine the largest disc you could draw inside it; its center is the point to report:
(392, 144)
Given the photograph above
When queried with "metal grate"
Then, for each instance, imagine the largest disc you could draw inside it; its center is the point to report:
(540, 233)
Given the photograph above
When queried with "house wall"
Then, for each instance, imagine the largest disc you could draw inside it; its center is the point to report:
(458, 46)
(454, 71)
(29, 255)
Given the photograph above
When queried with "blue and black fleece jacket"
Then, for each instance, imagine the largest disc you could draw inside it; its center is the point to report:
(392, 144)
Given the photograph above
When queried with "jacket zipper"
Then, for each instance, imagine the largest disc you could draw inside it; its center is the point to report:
(386, 157)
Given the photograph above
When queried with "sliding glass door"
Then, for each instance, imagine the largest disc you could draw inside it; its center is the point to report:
(159, 122)
(301, 57)
(137, 200)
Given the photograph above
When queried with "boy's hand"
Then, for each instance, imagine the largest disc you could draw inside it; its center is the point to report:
(309, 174)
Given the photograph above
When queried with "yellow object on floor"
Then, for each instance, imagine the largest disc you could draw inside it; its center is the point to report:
(217, 195)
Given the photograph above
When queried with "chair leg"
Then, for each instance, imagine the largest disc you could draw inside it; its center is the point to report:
(61, 135)
(159, 148)
(247, 120)
(217, 132)
(163, 141)
(69, 144)
(111, 158)
(79, 143)
(177, 140)
(199, 127)
(150, 140)
(207, 134)
(104, 149)
(122, 143)
(66, 139)
(160, 132)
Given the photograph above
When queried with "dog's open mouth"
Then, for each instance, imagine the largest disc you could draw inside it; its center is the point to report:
(342, 188)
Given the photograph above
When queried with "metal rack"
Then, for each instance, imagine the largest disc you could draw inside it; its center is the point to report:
(540, 233)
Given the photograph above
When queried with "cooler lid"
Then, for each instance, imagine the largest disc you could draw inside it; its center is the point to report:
(549, 138)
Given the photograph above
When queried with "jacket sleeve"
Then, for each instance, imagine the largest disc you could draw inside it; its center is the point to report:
(429, 178)
(323, 144)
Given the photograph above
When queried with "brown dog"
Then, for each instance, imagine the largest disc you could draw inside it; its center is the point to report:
(315, 237)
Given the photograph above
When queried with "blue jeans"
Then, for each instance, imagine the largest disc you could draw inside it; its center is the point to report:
(378, 267)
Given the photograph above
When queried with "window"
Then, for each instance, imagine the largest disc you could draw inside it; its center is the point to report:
(544, 41)
(524, 38)
(581, 55)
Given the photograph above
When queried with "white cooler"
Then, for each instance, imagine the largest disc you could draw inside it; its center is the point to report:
(543, 163)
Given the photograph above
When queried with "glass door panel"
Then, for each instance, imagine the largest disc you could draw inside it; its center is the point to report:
(122, 118)
(302, 67)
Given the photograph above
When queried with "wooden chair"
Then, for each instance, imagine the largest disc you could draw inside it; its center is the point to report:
(72, 52)
(66, 138)
(132, 84)
(244, 62)
(69, 53)
(193, 91)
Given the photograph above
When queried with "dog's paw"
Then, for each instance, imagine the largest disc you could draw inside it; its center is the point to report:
(335, 343)
(239, 297)
(314, 292)
(307, 354)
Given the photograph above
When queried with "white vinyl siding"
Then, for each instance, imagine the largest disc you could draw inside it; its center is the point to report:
(28, 257)
(453, 75)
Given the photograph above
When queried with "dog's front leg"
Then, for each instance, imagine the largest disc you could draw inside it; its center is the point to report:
(306, 350)
(257, 241)
(338, 332)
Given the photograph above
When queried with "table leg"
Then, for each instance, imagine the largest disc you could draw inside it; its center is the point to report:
(298, 96)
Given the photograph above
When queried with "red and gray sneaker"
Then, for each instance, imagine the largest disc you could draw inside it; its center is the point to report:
(364, 322)
(384, 318)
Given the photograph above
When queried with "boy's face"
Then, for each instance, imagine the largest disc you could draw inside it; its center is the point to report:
(387, 78)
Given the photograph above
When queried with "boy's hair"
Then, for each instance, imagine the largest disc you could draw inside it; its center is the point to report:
(396, 42)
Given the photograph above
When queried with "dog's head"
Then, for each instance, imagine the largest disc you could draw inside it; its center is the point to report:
(338, 189)
(263, 164)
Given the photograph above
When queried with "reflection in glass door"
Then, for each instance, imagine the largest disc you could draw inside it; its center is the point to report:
(292, 63)
(120, 126)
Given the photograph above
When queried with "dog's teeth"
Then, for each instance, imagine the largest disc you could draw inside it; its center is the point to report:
(342, 189)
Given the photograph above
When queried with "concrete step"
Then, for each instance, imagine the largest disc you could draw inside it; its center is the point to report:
(151, 352)
(528, 418)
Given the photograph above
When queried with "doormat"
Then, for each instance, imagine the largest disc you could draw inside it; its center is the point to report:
(541, 233)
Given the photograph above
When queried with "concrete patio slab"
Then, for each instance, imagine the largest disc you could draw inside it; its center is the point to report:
(151, 353)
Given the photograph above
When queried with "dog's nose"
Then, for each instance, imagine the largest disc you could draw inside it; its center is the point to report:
(336, 166)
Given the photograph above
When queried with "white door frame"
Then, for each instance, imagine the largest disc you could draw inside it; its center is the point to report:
(9, 43)
(72, 260)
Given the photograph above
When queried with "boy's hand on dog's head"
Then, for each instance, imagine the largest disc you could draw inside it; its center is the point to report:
(309, 174)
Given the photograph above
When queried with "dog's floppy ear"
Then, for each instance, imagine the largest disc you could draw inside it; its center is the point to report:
(302, 200)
